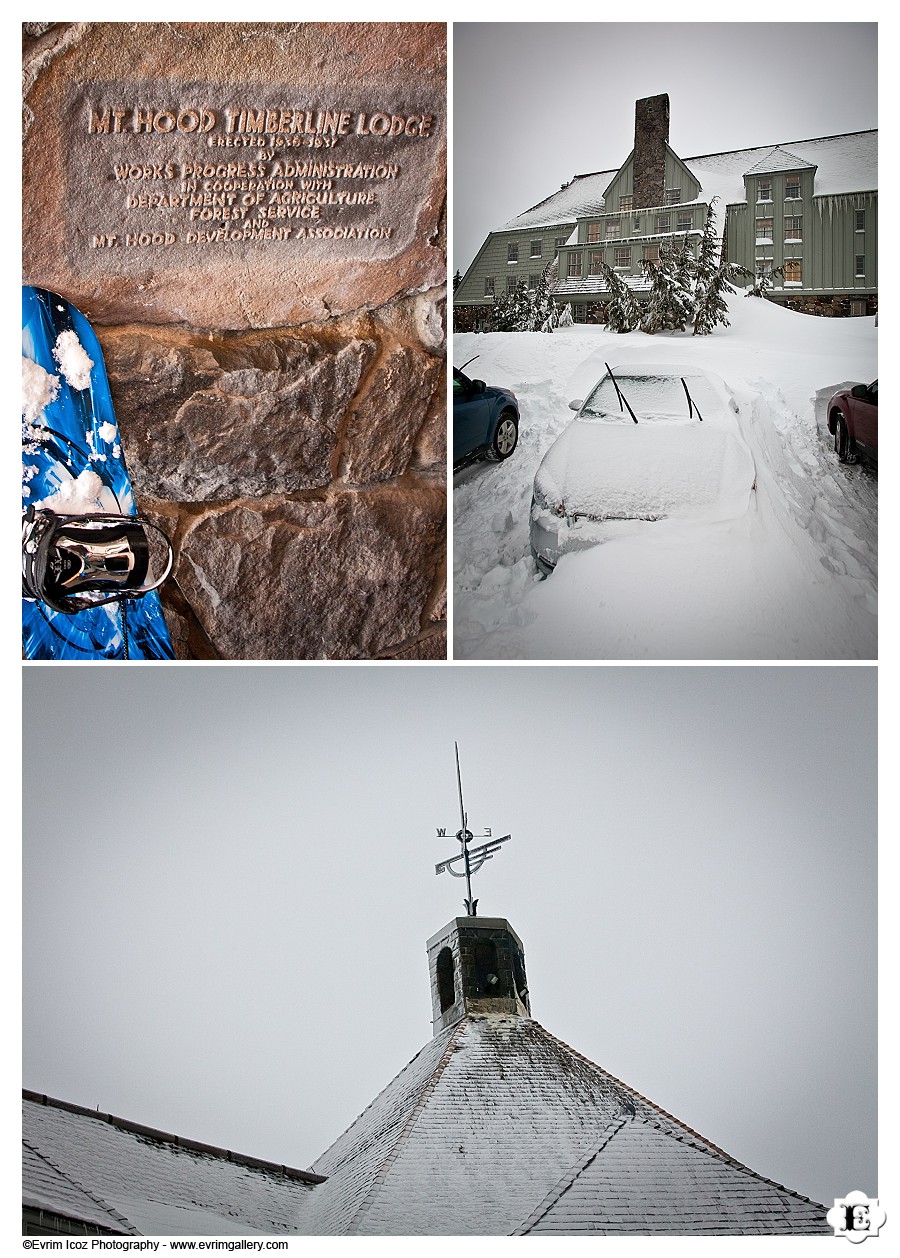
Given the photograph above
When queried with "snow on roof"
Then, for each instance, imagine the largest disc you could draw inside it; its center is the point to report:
(581, 197)
(845, 163)
(80, 1164)
(481, 1127)
(779, 159)
(45, 1187)
(641, 1177)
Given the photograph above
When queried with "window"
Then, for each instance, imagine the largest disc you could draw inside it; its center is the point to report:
(444, 975)
(533, 281)
(511, 284)
(489, 286)
(764, 229)
(623, 257)
(764, 189)
(593, 233)
(684, 220)
(573, 269)
(671, 196)
(596, 263)
(860, 271)
(860, 220)
(614, 229)
(537, 248)
(764, 268)
(626, 203)
(792, 187)
(512, 252)
(664, 222)
(793, 272)
(651, 253)
(793, 226)
(858, 308)
(559, 241)
(579, 313)
(637, 224)
(487, 977)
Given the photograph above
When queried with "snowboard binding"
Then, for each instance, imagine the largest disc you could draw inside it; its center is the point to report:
(71, 562)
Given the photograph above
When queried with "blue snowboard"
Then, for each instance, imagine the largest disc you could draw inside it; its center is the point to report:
(72, 461)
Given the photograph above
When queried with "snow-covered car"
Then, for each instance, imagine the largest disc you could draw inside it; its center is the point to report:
(485, 420)
(648, 443)
(853, 422)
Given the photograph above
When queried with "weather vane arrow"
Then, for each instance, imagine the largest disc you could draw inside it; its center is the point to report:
(469, 859)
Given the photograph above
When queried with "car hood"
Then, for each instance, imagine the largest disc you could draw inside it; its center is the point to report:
(647, 471)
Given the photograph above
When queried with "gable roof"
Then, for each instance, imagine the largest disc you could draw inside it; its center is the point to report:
(845, 163)
(483, 1125)
(110, 1173)
(779, 159)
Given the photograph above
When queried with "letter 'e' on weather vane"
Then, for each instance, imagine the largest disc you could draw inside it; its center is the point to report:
(469, 860)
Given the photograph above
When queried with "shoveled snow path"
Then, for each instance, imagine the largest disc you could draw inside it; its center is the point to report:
(793, 579)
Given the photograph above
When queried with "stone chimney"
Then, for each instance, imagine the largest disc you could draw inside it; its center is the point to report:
(651, 135)
(476, 965)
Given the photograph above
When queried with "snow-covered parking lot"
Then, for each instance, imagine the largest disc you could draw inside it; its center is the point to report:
(792, 578)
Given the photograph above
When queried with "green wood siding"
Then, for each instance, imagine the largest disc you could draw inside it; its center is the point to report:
(829, 242)
(492, 261)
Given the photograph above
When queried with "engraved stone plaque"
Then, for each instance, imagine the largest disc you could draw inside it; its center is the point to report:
(234, 174)
(201, 175)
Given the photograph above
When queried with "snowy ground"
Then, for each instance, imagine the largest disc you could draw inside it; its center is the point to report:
(794, 578)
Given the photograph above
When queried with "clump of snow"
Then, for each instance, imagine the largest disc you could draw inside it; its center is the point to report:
(107, 431)
(80, 495)
(39, 389)
(73, 360)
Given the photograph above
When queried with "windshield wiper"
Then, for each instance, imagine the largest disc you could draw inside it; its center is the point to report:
(621, 396)
(692, 405)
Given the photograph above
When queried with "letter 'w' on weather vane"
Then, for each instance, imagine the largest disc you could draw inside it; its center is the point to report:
(469, 860)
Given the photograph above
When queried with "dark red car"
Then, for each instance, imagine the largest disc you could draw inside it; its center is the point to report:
(853, 422)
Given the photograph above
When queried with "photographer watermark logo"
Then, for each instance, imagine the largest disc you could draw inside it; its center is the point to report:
(856, 1216)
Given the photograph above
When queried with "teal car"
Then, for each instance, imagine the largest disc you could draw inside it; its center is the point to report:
(485, 421)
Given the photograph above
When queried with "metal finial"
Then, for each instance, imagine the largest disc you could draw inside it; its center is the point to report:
(471, 858)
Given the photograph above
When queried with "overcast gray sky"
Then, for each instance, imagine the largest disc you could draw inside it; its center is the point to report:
(536, 103)
(229, 882)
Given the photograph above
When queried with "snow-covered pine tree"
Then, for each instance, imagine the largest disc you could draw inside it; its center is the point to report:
(544, 315)
(622, 311)
(715, 278)
(763, 284)
(670, 305)
(565, 318)
(508, 311)
(552, 320)
(457, 280)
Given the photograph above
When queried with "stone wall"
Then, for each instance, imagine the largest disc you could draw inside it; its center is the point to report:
(279, 381)
(836, 306)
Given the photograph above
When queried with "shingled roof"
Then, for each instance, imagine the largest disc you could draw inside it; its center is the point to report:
(108, 1174)
(844, 163)
(497, 1127)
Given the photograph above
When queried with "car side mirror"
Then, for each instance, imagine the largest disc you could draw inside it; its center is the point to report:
(576, 404)
(478, 386)
(859, 390)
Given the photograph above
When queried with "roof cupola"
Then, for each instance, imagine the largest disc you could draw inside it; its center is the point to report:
(476, 966)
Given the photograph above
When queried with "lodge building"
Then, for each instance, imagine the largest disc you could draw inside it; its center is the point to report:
(802, 213)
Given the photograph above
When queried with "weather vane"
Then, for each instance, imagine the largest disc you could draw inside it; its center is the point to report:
(471, 859)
